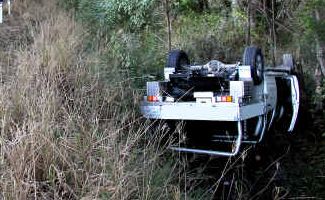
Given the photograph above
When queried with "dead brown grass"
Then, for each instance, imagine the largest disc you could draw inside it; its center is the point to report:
(64, 133)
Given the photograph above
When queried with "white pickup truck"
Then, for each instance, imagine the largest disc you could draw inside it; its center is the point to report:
(240, 100)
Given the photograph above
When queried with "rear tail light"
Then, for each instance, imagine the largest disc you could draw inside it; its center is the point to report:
(224, 99)
(152, 98)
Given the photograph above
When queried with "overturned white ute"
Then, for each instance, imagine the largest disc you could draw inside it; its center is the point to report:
(224, 103)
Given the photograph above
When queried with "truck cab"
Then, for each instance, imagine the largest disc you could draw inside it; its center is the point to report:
(239, 102)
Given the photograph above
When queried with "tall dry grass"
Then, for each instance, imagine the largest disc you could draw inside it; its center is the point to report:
(64, 133)
(68, 134)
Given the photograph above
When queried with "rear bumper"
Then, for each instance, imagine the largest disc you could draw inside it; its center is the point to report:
(200, 111)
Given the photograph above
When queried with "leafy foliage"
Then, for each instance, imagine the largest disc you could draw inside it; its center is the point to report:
(113, 14)
(311, 25)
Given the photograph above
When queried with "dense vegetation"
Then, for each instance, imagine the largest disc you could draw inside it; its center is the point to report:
(205, 29)
(72, 75)
(141, 32)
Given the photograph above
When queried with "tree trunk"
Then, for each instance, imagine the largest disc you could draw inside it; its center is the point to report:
(251, 22)
(319, 75)
(320, 46)
(234, 8)
(169, 26)
(318, 81)
(248, 33)
(273, 33)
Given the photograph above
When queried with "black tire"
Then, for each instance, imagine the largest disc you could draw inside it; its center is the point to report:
(253, 56)
(177, 59)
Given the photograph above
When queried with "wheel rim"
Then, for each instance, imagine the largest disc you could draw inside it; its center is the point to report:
(259, 66)
(183, 63)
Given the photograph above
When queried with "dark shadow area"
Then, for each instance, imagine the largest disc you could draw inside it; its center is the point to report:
(281, 166)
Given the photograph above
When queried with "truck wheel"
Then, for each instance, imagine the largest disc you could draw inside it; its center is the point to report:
(177, 59)
(253, 56)
(288, 61)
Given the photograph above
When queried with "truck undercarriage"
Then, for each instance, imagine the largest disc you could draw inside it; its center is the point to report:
(228, 104)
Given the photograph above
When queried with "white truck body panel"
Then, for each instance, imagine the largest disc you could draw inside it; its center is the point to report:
(199, 111)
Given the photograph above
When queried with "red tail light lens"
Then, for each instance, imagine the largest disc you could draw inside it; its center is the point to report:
(152, 98)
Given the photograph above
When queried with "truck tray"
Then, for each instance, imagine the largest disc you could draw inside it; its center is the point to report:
(201, 111)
